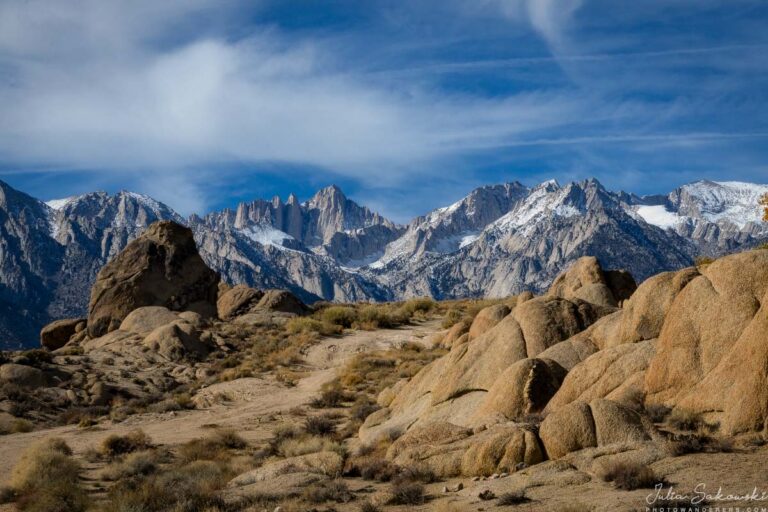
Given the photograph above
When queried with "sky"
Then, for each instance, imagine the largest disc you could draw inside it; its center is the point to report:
(407, 106)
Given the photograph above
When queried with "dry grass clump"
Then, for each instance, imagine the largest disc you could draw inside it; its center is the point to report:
(703, 261)
(323, 425)
(133, 465)
(343, 316)
(367, 506)
(134, 441)
(629, 476)
(15, 426)
(216, 447)
(306, 445)
(700, 443)
(451, 318)
(47, 479)
(310, 325)
(190, 487)
(373, 371)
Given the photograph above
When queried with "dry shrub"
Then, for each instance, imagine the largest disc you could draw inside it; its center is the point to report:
(191, 487)
(684, 420)
(134, 441)
(657, 413)
(332, 395)
(135, 464)
(342, 316)
(512, 498)
(47, 479)
(320, 425)
(629, 476)
(15, 426)
(406, 493)
(367, 506)
(451, 318)
(216, 447)
(307, 445)
(334, 490)
(695, 443)
(306, 325)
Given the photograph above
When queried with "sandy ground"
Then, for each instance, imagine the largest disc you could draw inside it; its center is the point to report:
(255, 406)
(258, 405)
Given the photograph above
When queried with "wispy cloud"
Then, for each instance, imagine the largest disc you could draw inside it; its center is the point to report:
(162, 95)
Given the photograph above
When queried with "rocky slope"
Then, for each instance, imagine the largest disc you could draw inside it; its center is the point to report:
(568, 375)
(497, 241)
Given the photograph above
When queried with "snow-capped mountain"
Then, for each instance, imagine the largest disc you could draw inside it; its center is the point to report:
(497, 240)
(719, 216)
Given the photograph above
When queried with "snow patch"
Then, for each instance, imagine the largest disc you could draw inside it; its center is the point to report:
(58, 204)
(266, 235)
(659, 216)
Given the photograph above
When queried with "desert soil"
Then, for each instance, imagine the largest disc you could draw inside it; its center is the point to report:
(255, 407)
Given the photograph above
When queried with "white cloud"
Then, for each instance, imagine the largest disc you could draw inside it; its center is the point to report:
(118, 87)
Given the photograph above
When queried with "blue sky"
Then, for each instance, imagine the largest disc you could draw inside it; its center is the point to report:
(406, 105)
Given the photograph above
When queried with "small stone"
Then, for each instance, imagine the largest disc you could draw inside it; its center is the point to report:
(459, 487)
(494, 476)
(445, 489)
(504, 475)
(475, 478)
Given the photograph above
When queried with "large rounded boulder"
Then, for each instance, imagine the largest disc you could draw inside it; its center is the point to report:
(160, 268)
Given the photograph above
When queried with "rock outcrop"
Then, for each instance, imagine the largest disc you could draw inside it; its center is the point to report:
(56, 334)
(160, 268)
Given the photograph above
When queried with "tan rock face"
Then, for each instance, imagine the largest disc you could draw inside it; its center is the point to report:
(456, 331)
(586, 280)
(160, 268)
(450, 451)
(579, 425)
(282, 300)
(22, 375)
(524, 388)
(56, 334)
(713, 321)
(645, 311)
(488, 318)
(713, 347)
(147, 319)
(237, 300)
(615, 373)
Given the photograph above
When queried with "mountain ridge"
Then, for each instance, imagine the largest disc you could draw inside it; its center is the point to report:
(497, 240)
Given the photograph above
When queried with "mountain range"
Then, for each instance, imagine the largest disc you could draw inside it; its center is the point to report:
(498, 240)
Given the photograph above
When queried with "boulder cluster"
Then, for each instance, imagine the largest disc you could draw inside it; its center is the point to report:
(153, 318)
(539, 378)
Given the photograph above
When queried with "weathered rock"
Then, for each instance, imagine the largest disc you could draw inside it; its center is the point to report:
(456, 331)
(488, 318)
(160, 268)
(176, 341)
(579, 425)
(567, 430)
(716, 328)
(716, 322)
(282, 300)
(449, 450)
(645, 311)
(147, 319)
(56, 334)
(615, 373)
(524, 388)
(22, 375)
(545, 321)
(586, 280)
(238, 300)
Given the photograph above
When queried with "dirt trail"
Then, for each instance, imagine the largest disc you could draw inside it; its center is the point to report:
(254, 406)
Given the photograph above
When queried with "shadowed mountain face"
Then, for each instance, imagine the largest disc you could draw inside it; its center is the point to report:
(498, 240)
